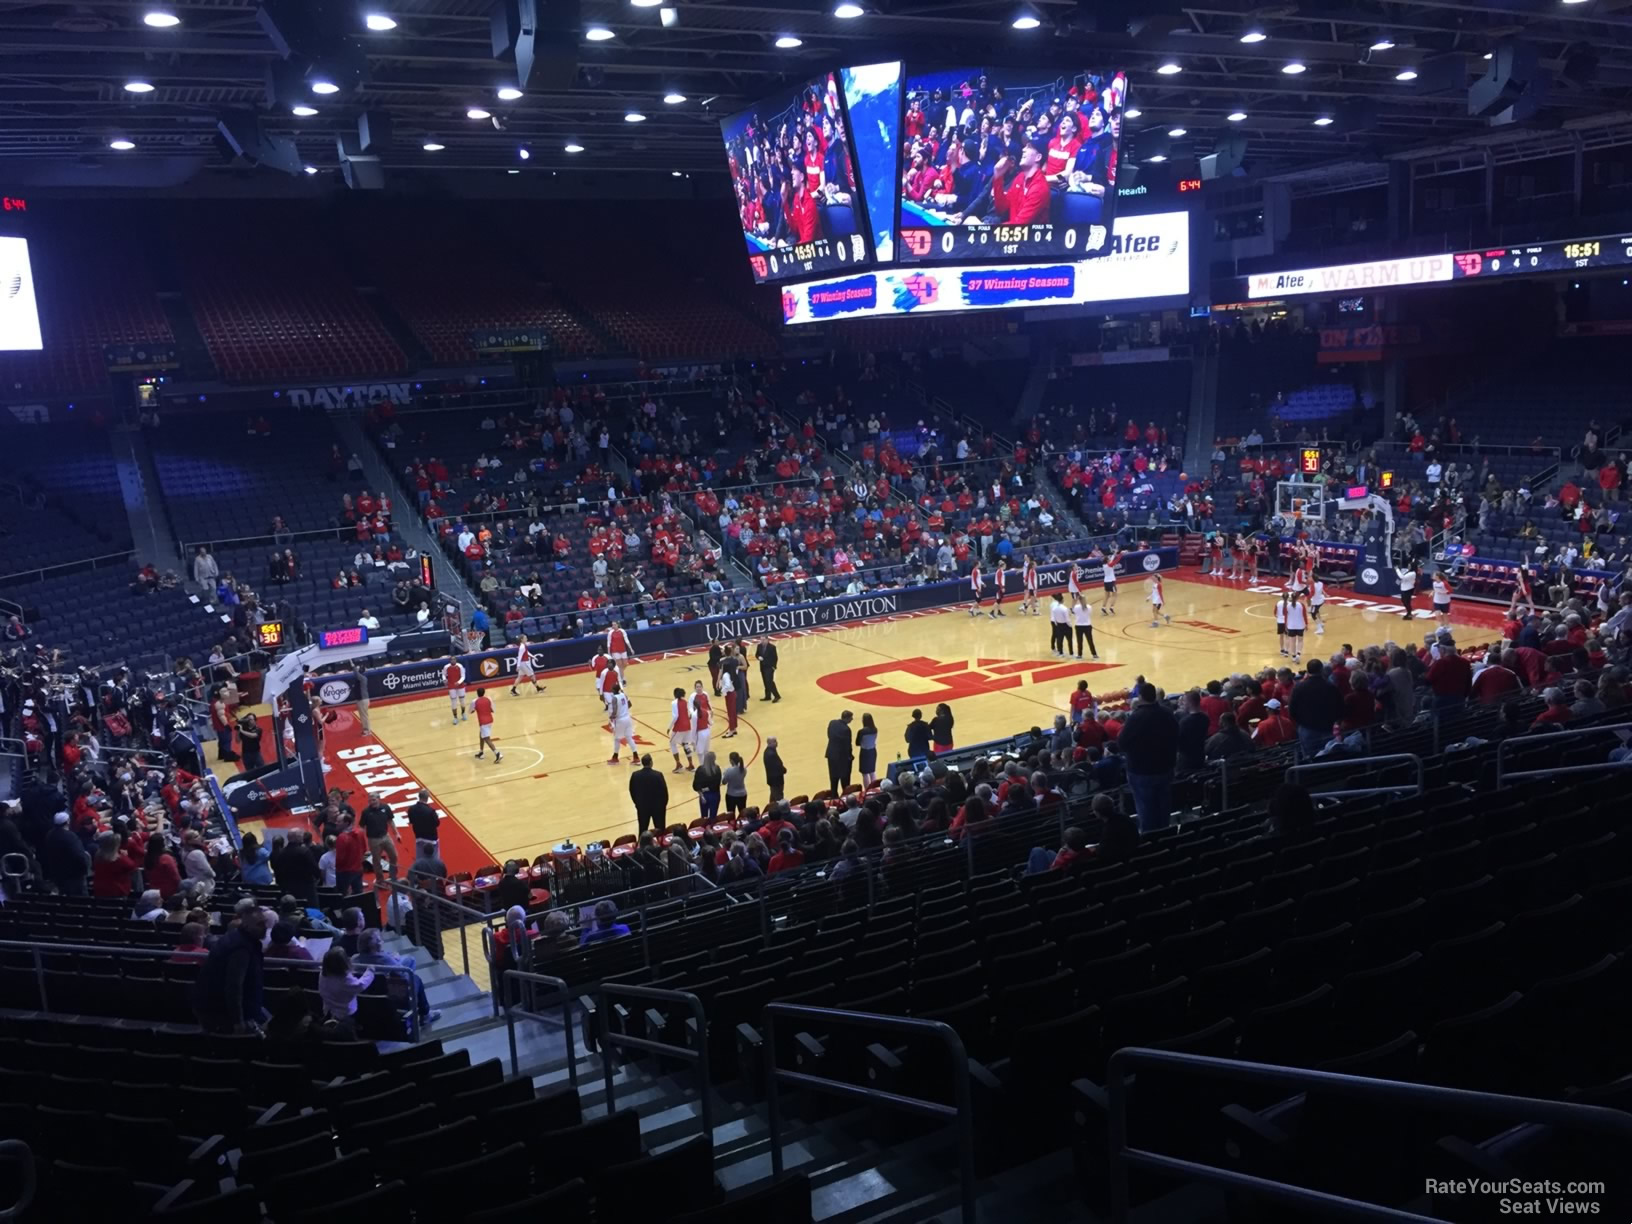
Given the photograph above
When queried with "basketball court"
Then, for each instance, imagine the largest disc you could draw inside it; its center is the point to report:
(554, 782)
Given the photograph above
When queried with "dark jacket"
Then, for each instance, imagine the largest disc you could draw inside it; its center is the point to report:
(838, 741)
(1316, 704)
(422, 818)
(775, 771)
(649, 790)
(765, 652)
(62, 857)
(1231, 743)
(1193, 740)
(296, 869)
(1150, 739)
(917, 737)
(227, 991)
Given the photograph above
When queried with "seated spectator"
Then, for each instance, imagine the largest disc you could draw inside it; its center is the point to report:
(338, 988)
(606, 924)
(190, 946)
(371, 951)
(111, 867)
(1557, 711)
(1291, 811)
(283, 945)
(150, 907)
(788, 856)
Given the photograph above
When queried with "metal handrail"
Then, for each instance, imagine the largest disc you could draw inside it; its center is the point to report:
(1426, 1096)
(605, 992)
(960, 1113)
(466, 915)
(115, 951)
(562, 991)
(15, 1151)
(1393, 758)
(66, 567)
(1621, 730)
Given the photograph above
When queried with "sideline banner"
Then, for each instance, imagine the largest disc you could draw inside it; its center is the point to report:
(498, 666)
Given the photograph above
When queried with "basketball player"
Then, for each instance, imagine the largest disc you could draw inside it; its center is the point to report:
(1297, 620)
(1407, 576)
(605, 680)
(1108, 604)
(483, 708)
(728, 693)
(1442, 598)
(622, 721)
(1298, 583)
(1521, 590)
(524, 666)
(1059, 626)
(617, 648)
(1280, 621)
(680, 732)
(702, 718)
(1028, 577)
(1154, 585)
(1317, 601)
(453, 675)
(1082, 616)
(1073, 581)
(999, 582)
(974, 588)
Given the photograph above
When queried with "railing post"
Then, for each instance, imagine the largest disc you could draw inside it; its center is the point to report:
(606, 1052)
(414, 1028)
(764, 915)
(966, 1132)
(773, 1096)
(645, 938)
(572, 1045)
(1117, 1133)
(510, 1028)
(39, 980)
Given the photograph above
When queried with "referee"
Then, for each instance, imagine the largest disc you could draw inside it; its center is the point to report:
(1059, 617)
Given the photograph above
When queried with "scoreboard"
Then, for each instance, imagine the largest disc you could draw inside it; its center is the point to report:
(1576, 255)
(977, 242)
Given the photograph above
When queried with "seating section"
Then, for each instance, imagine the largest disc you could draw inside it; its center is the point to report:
(70, 507)
(97, 618)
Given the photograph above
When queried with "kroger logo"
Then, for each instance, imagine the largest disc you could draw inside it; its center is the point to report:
(335, 692)
(1153, 562)
(1369, 576)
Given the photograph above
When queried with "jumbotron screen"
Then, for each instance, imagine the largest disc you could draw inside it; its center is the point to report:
(19, 315)
(794, 181)
(1002, 163)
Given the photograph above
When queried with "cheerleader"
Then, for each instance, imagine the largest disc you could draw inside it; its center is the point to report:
(1255, 551)
(1407, 577)
(1238, 558)
(1317, 601)
(1029, 579)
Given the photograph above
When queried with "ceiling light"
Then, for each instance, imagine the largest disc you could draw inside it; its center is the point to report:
(788, 42)
(1169, 69)
(524, 153)
(674, 174)
(138, 87)
(324, 87)
(1026, 19)
(1486, 55)
(598, 34)
(159, 19)
(1409, 74)
(120, 143)
(1383, 43)
(634, 117)
(379, 22)
(848, 11)
(477, 112)
(431, 146)
(512, 171)
(508, 93)
(1324, 121)
(574, 148)
(1157, 157)
(1253, 35)
(674, 97)
(1236, 116)
(1133, 112)
(303, 111)
(645, 3)
(1575, 1)
(1294, 68)
(1175, 133)
(309, 169)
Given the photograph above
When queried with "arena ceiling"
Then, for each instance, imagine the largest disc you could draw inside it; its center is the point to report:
(65, 68)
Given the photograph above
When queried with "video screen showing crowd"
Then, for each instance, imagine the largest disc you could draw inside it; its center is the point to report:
(793, 175)
(1003, 164)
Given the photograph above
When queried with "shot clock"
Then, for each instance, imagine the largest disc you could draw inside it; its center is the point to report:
(269, 634)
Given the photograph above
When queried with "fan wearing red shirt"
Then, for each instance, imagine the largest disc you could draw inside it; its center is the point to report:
(802, 217)
(1495, 682)
(1558, 708)
(1026, 199)
(1450, 676)
(349, 849)
(482, 707)
(1275, 727)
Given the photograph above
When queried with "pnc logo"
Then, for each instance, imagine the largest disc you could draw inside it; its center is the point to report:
(920, 681)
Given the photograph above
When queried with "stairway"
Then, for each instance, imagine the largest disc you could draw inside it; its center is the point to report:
(607, 345)
(1188, 544)
(150, 529)
(196, 361)
(419, 357)
(464, 1005)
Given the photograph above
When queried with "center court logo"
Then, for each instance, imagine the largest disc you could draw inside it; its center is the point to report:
(946, 680)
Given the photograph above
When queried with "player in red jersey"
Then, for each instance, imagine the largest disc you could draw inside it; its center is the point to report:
(1000, 582)
(1156, 598)
(483, 708)
(702, 719)
(680, 733)
(453, 675)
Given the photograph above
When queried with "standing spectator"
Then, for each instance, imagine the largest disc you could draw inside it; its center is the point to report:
(350, 848)
(1316, 708)
(299, 869)
(1150, 747)
(249, 741)
(867, 750)
(195, 862)
(776, 773)
(1274, 727)
(940, 728)
(63, 861)
(423, 820)
(918, 736)
(226, 994)
(839, 754)
(205, 571)
(735, 781)
(112, 868)
(254, 861)
(1450, 676)
(706, 782)
(1229, 741)
(1192, 732)
(378, 822)
(649, 791)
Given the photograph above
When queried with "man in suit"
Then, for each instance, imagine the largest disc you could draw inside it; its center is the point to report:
(765, 652)
(776, 773)
(650, 792)
(840, 752)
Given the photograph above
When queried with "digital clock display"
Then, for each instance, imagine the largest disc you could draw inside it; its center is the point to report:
(269, 635)
(330, 639)
(1309, 461)
(1583, 250)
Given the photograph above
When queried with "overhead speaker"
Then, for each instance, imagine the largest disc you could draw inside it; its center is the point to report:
(1225, 159)
(1441, 76)
(544, 36)
(360, 164)
(373, 131)
(1511, 70)
(241, 131)
(318, 32)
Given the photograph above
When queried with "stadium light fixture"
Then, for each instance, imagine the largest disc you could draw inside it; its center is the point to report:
(324, 86)
(1486, 55)
(1169, 69)
(1406, 74)
(512, 170)
(598, 33)
(1175, 133)
(1133, 112)
(1026, 19)
(1253, 34)
(309, 169)
(139, 87)
(1295, 68)
(160, 19)
(1383, 43)
(645, 3)
(379, 22)
(787, 42)
(508, 93)
(122, 144)
(1323, 121)
(846, 11)
(1157, 158)
(674, 97)
(674, 174)
(303, 111)
(634, 117)
(1236, 116)
(433, 146)
(574, 148)
(477, 112)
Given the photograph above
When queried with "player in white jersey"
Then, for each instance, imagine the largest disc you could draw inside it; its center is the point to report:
(524, 667)
(1297, 620)
(681, 735)
(1442, 598)
(1108, 604)
(1029, 579)
(617, 648)
(1280, 621)
(974, 589)
(1073, 581)
(622, 721)
(1317, 601)
(1000, 582)
(1154, 585)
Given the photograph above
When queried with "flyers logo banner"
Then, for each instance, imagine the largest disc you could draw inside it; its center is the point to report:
(922, 681)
